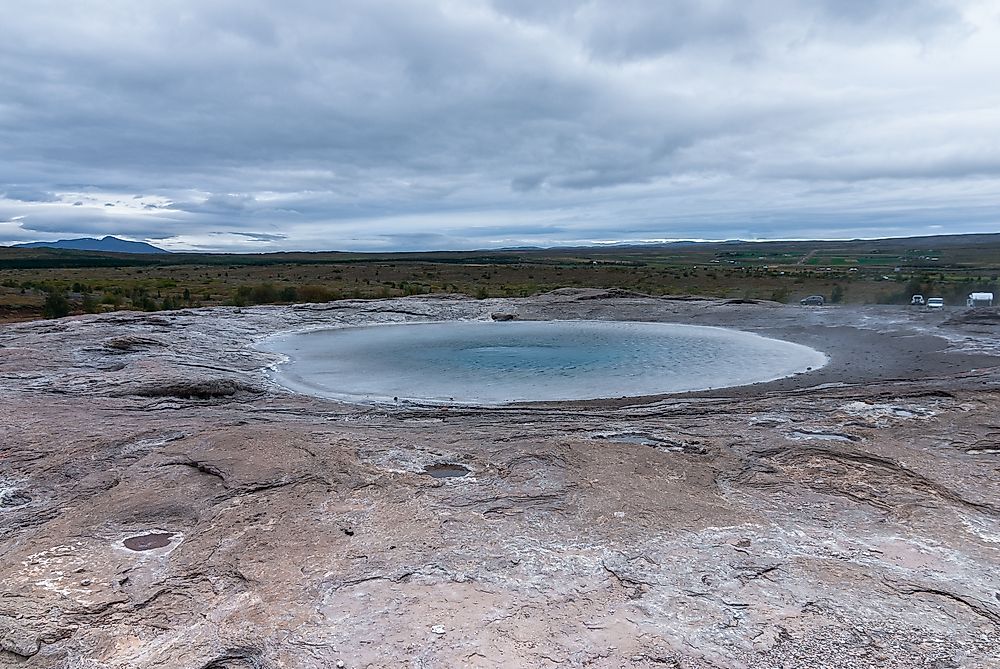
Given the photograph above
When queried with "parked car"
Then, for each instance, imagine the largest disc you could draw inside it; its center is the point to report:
(917, 300)
(935, 303)
(812, 301)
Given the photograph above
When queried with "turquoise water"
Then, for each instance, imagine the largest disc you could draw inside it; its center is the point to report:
(495, 363)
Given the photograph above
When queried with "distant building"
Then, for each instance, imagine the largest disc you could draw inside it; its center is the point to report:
(979, 300)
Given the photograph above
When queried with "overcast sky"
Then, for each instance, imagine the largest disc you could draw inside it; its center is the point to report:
(255, 125)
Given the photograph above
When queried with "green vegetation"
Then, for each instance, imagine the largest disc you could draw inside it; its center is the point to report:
(855, 272)
(56, 305)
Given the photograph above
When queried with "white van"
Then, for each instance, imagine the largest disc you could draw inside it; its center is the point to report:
(935, 303)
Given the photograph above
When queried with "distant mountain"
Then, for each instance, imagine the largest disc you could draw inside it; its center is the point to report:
(109, 243)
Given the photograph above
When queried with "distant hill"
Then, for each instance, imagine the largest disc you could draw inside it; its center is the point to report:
(109, 243)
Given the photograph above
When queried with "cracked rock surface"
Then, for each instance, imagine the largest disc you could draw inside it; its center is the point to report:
(164, 504)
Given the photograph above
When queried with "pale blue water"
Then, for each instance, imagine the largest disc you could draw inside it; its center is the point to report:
(493, 363)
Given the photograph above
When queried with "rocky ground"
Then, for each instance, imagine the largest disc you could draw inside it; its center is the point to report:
(164, 504)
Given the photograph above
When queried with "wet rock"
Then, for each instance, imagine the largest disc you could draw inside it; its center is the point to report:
(195, 389)
(239, 658)
(987, 316)
(12, 498)
(131, 344)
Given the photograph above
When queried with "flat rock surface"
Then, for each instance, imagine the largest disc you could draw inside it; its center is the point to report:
(163, 503)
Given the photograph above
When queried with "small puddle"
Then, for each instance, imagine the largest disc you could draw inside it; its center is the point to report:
(630, 438)
(661, 444)
(446, 471)
(823, 436)
(147, 542)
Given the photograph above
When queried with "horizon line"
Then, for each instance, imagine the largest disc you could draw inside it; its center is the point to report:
(527, 247)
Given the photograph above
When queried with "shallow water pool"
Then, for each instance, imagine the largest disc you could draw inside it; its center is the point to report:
(523, 361)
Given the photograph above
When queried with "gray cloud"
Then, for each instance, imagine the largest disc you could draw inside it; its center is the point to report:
(260, 236)
(27, 195)
(353, 124)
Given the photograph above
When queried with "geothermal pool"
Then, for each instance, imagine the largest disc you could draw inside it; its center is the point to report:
(528, 361)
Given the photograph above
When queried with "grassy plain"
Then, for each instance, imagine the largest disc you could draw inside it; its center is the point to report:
(858, 272)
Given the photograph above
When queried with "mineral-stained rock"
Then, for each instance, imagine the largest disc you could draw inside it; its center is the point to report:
(202, 389)
(177, 509)
(131, 344)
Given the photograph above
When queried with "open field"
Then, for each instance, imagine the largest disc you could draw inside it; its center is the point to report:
(852, 272)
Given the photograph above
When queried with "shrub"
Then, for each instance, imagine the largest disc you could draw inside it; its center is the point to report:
(316, 294)
(114, 299)
(89, 304)
(146, 303)
(56, 305)
(244, 295)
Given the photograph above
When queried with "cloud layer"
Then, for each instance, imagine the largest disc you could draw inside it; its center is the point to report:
(394, 124)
